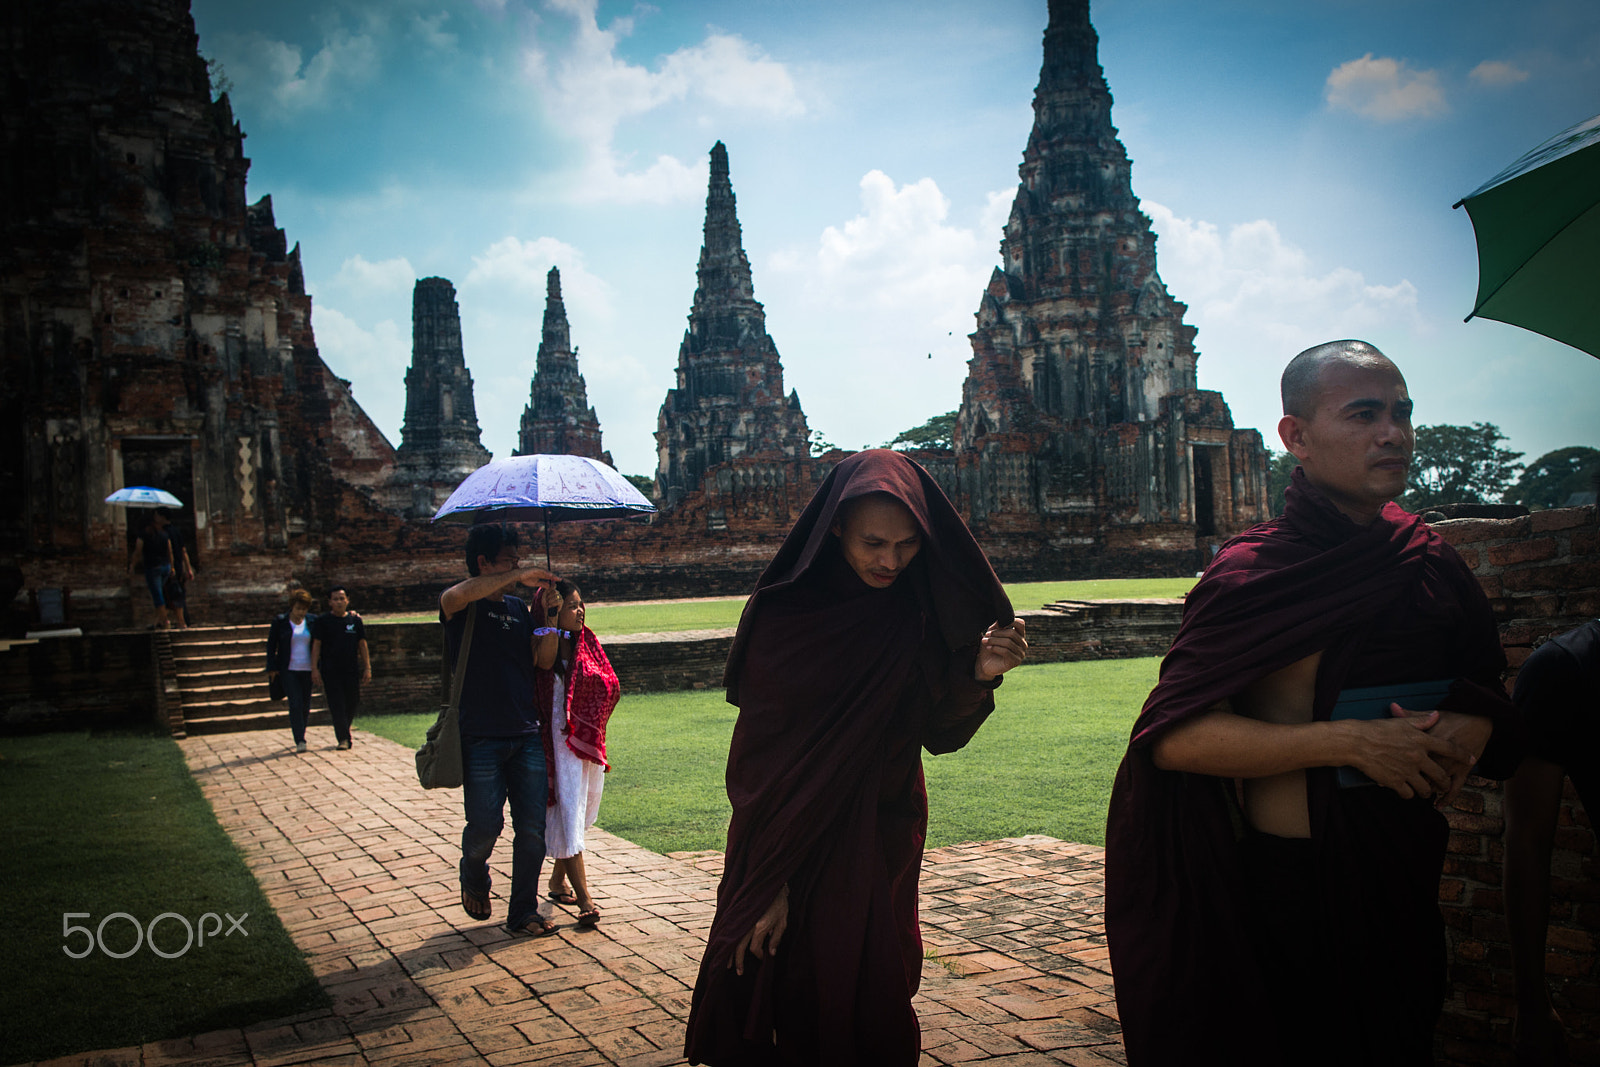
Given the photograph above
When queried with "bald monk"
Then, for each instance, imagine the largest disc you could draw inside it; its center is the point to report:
(1272, 847)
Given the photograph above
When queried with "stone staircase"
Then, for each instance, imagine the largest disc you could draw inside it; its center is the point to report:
(222, 683)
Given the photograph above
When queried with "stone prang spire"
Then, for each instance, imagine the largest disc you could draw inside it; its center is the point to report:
(440, 440)
(729, 399)
(558, 419)
(1080, 405)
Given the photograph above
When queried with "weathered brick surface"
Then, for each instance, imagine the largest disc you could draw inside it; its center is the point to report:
(1541, 573)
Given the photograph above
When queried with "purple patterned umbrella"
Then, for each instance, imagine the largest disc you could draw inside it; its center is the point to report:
(544, 489)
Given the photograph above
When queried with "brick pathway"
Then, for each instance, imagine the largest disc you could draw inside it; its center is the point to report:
(359, 864)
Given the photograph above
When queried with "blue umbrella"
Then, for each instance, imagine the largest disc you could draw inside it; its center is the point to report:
(144, 496)
(544, 489)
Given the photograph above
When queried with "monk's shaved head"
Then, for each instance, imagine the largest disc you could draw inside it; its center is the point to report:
(1304, 372)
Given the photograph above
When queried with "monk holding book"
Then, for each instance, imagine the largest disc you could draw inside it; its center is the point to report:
(1272, 849)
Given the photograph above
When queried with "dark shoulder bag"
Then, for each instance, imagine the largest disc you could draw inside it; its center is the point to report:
(439, 758)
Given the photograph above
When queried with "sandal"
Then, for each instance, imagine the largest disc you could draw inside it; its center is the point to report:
(590, 917)
(538, 926)
(475, 904)
(563, 896)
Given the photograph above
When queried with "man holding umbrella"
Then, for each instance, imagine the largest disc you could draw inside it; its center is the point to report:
(154, 548)
(502, 750)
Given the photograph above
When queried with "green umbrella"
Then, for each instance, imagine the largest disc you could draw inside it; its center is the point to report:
(1538, 228)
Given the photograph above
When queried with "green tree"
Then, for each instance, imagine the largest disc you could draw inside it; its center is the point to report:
(1459, 465)
(937, 432)
(1280, 466)
(1548, 481)
(644, 483)
(820, 444)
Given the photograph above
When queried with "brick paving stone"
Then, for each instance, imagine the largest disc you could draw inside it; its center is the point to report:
(359, 864)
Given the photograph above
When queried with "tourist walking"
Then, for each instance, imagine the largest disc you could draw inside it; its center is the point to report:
(502, 748)
(878, 629)
(152, 550)
(289, 661)
(580, 691)
(339, 661)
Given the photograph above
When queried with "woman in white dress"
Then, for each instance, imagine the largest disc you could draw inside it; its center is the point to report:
(580, 693)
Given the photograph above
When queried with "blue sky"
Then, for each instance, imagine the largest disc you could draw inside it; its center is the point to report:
(1298, 162)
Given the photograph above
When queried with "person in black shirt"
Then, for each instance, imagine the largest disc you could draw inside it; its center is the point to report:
(502, 748)
(1558, 697)
(154, 549)
(339, 661)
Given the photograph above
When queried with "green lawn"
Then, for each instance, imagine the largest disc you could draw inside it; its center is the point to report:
(1043, 763)
(674, 617)
(97, 824)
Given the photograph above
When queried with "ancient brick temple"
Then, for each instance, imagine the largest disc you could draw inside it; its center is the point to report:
(440, 442)
(729, 410)
(154, 327)
(558, 419)
(1082, 441)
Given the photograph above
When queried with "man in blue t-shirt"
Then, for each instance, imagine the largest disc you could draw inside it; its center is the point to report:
(502, 752)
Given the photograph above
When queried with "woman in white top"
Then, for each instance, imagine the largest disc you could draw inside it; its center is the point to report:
(580, 693)
(289, 659)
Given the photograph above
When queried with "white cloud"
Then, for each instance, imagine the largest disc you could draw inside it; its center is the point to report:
(1252, 288)
(1385, 89)
(376, 358)
(883, 302)
(430, 28)
(277, 73)
(362, 279)
(586, 90)
(1498, 74)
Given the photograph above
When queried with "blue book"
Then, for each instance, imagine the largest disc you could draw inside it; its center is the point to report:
(1373, 703)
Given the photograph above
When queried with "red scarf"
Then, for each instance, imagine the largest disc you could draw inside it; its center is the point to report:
(592, 695)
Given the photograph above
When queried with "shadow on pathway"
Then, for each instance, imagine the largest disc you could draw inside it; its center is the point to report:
(359, 864)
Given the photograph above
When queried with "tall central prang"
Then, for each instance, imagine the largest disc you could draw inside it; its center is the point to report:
(1080, 418)
(729, 401)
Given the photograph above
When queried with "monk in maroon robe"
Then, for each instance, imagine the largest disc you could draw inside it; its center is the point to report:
(1263, 906)
(877, 630)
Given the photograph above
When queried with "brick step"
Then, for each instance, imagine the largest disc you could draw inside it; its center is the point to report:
(223, 675)
(226, 709)
(278, 720)
(220, 690)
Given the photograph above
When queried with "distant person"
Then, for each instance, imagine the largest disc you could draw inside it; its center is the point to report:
(289, 660)
(152, 550)
(176, 588)
(877, 630)
(1265, 904)
(580, 691)
(1558, 697)
(502, 748)
(340, 662)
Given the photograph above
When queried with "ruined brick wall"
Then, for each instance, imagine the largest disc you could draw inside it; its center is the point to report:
(108, 680)
(1542, 575)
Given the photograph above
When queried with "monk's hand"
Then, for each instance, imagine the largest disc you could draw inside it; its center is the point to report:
(762, 940)
(1401, 754)
(1001, 648)
(1470, 732)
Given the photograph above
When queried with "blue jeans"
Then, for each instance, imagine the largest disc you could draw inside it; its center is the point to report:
(297, 688)
(497, 769)
(154, 578)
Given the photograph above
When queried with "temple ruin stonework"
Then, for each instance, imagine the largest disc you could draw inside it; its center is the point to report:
(558, 419)
(1082, 439)
(440, 442)
(728, 413)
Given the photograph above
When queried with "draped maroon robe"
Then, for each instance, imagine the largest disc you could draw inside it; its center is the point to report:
(839, 685)
(1386, 603)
